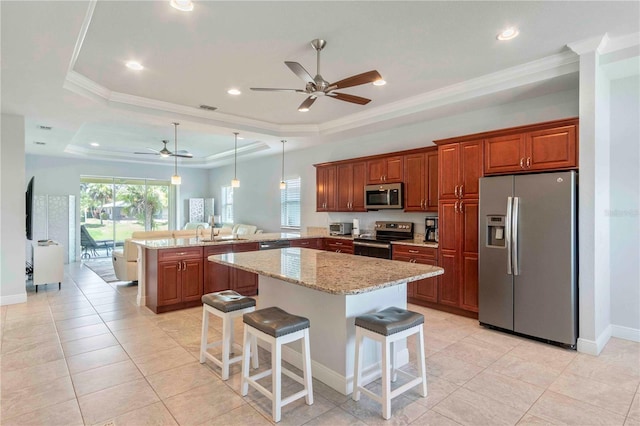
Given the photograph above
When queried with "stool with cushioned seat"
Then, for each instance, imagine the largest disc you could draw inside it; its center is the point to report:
(387, 327)
(227, 305)
(276, 327)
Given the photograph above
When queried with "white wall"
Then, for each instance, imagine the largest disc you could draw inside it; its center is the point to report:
(257, 201)
(12, 208)
(624, 207)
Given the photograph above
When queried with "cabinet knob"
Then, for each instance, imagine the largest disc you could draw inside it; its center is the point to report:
(528, 162)
(461, 204)
(455, 191)
(522, 163)
(461, 192)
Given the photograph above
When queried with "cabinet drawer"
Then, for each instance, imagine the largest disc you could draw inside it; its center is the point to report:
(242, 247)
(414, 251)
(180, 254)
(333, 244)
(313, 243)
(221, 249)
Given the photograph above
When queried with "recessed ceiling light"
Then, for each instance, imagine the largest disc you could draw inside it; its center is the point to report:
(94, 144)
(303, 109)
(234, 92)
(380, 82)
(134, 65)
(508, 34)
(183, 5)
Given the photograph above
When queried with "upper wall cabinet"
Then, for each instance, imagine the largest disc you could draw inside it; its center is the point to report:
(551, 146)
(350, 186)
(421, 181)
(326, 181)
(385, 170)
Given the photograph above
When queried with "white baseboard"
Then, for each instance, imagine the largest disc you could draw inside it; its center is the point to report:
(594, 347)
(13, 299)
(626, 333)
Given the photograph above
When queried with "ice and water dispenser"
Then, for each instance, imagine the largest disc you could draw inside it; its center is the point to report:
(495, 231)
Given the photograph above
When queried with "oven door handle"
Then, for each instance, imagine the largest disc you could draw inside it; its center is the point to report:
(383, 246)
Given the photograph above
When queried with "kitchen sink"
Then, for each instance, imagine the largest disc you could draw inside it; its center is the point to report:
(225, 238)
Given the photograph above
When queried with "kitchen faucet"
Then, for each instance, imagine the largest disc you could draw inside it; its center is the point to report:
(198, 232)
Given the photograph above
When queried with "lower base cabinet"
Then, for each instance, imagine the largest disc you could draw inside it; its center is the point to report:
(338, 245)
(312, 243)
(425, 290)
(218, 277)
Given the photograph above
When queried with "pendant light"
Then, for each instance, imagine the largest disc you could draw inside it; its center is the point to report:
(283, 184)
(235, 183)
(175, 179)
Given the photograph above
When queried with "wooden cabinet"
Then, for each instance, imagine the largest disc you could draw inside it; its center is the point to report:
(312, 243)
(350, 186)
(460, 168)
(218, 277)
(421, 181)
(326, 186)
(244, 282)
(338, 245)
(385, 170)
(425, 290)
(178, 277)
(548, 148)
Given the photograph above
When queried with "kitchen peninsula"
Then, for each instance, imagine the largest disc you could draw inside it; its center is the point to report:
(330, 289)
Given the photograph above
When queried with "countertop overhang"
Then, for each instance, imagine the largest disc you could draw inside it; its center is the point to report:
(329, 272)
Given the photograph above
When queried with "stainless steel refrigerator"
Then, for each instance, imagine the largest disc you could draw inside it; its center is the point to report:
(528, 255)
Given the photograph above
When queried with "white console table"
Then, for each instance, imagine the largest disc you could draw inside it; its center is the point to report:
(48, 264)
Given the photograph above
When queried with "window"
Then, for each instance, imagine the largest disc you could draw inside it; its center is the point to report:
(290, 204)
(227, 204)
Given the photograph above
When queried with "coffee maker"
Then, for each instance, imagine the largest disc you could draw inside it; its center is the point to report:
(431, 230)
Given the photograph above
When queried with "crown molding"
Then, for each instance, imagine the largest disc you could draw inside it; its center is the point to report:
(83, 34)
(620, 43)
(592, 44)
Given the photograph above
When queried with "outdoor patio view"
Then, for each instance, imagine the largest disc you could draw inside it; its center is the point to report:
(111, 209)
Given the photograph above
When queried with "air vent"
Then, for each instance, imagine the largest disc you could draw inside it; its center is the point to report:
(208, 107)
(39, 143)
(44, 127)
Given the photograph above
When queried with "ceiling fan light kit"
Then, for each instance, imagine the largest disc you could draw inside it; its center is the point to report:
(318, 86)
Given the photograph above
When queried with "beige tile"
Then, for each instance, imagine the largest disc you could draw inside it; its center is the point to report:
(498, 339)
(163, 360)
(137, 334)
(634, 411)
(82, 332)
(71, 306)
(451, 369)
(335, 417)
(203, 403)
(63, 315)
(116, 315)
(612, 398)
(155, 414)
(20, 344)
(88, 344)
(95, 359)
(474, 352)
(597, 369)
(33, 376)
(131, 322)
(105, 377)
(70, 323)
(243, 415)
(541, 353)
(630, 421)
(403, 410)
(467, 407)
(43, 318)
(527, 371)
(110, 307)
(18, 402)
(528, 420)
(556, 408)
(512, 392)
(433, 418)
(112, 402)
(621, 352)
(31, 357)
(29, 331)
(146, 347)
(437, 390)
(181, 379)
(64, 413)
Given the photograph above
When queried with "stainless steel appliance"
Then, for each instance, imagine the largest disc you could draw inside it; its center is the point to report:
(385, 196)
(379, 245)
(272, 245)
(340, 228)
(430, 230)
(528, 255)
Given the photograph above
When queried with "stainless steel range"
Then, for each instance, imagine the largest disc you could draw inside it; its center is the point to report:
(379, 245)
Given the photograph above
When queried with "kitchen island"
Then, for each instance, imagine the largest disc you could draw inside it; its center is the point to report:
(330, 289)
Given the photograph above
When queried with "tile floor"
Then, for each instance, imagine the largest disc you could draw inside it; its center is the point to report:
(87, 355)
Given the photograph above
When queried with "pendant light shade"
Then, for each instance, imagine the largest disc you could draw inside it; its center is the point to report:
(283, 184)
(175, 179)
(235, 183)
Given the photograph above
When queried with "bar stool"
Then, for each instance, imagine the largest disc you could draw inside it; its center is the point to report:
(387, 327)
(276, 327)
(227, 305)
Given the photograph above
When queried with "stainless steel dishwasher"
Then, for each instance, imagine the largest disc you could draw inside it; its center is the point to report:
(272, 245)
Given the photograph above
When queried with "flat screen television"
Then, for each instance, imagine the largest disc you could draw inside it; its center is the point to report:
(29, 209)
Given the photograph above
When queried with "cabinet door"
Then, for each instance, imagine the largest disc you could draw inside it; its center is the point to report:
(344, 188)
(244, 282)
(326, 188)
(216, 275)
(427, 289)
(169, 283)
(448, 166)
(469, 256)
(375, 171)
(448, 225)
(192, 280)
(504, 154)
(471, 169)
(414, 182)
(551, 149)
(331, 192)
(431, 190)
(358, 183)
(411, 287)
(394, 169)
(448, 293)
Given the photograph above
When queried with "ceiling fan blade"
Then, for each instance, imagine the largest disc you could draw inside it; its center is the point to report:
(147, 153)
(300, 71)
(349, 98)
(271, 89)
(153, 150)
(182, 155)
(356, 80)
(308, 102)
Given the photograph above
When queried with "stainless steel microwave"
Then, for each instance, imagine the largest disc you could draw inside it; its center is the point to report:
(385, 196)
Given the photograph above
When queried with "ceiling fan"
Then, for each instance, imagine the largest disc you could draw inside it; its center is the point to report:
(318, 86)
(164, 152)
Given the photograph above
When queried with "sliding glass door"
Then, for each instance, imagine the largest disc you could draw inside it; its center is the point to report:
(112, 208)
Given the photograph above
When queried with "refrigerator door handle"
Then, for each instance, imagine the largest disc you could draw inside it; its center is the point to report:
(514, 243)
(508, 232)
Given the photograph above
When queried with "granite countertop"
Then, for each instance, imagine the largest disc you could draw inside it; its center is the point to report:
(223, 239)
(335, 273)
